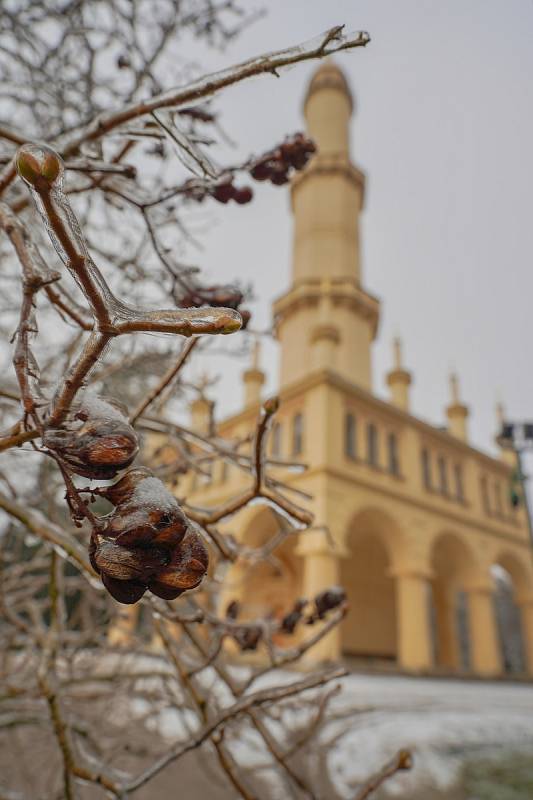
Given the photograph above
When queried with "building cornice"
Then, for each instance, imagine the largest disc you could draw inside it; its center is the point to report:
(489, 526)
(340, 292)
(329, 164)
(329, 378)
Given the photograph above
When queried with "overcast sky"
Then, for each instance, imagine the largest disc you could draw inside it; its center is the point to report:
(444, 133)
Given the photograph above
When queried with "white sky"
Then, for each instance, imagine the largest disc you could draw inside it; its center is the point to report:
(444, 132)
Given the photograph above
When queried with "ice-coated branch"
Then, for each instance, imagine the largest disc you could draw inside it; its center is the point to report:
(35, 275)
(245, 704)
(332, 41)
(403, 760)
(42, 170)
(169, 376)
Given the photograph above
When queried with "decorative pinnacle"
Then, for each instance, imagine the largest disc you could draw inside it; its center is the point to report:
(454, 388)
(397, 352)
(256, 353)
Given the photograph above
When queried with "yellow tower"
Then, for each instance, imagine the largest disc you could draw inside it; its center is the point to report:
(326, 319)
(408, 516)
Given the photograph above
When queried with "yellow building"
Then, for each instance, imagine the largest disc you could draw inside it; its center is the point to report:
(409, 518)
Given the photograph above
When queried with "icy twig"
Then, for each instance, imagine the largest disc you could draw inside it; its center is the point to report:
(332, 41)
(403, 760)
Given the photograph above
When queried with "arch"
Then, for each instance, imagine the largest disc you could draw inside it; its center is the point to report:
(453, 566)
(372, 541)
(518, 567)
(512, 579)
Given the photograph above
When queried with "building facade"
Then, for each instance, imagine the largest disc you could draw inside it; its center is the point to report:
(409, 518)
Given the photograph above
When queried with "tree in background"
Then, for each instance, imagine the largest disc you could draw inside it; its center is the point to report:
(95, 106)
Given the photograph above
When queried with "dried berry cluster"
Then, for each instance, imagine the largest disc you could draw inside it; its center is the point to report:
(217, 296)
(147, 542)
(249, 635)
(223, 191)
(101, 446)
(276, 166)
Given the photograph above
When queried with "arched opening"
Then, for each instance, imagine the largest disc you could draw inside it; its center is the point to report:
(452, 562)
(269, 586)
(369, 630)
(509, 576)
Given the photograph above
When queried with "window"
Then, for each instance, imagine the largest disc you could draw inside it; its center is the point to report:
(372, 444)
(443, 475)
(350, 448)
(426, 468)
(498, 497)
(297, 434)
(485, 500)
(276, 439)
(458, 479)
(392, 446)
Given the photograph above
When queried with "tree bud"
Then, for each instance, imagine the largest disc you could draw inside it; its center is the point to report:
(39, 166)
(102, 445)
(186, 569)
(248, 637)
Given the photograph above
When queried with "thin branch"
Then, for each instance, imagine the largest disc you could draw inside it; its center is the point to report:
(332, 41)
(255, 700)
(169, 375)
(403, 760)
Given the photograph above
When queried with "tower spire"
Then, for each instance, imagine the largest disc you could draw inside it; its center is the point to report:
(399, 379)
(326, 320)
(457, 412)
(253, 377)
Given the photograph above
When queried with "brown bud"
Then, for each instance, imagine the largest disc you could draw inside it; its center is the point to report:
(329, 599)
(248, 636)
(38, 165)
(232, 609)
(246, 317)
(404, 759)
(127, 564)
(243, 196)
(279, 176)
(123, 489)
(126, 592)
(133, 524)
(290, 621)
(98, 449)
(223, 192)
(261, 171)
(186, 569)
(271, 405)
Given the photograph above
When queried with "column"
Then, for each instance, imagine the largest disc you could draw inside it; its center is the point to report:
(321, 570)
(526, 617)
(485, 653)
(414, 629)
(448, 654)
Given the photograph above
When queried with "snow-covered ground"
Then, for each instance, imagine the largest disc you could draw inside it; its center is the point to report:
(442, 721)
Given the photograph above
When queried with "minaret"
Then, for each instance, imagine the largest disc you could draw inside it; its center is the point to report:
(457, 412)
(326, 321)
(399, 379)
(253, 378)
